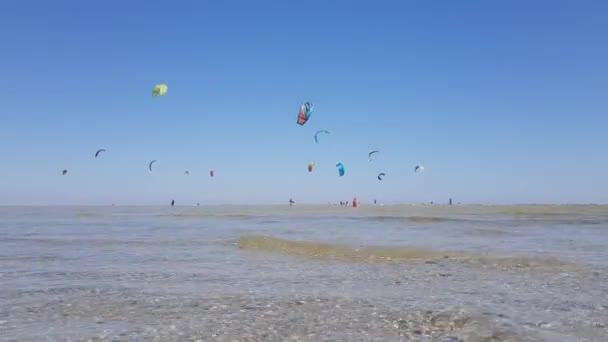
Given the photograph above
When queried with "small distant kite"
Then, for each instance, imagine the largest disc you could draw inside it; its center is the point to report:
(319, 132)
(381, 175)
(340, 167)
(187, 173)
(311, 166)
(305, 111)
(211, 173)
(418, 168)
(159, 90)
(99, 151)
(64, 172)
(150, 165)
(370, 155)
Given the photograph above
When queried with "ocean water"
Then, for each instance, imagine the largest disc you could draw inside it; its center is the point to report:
(304, 273)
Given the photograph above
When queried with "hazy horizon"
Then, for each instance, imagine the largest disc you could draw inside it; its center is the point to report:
(313, 205)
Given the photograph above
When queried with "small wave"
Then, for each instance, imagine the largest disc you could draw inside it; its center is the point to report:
(487, 232)
(97, 242)
(334, 251)
(212, 215)
(397, 254)
(554, 211)
(518, 263)
(268, 222)
(34, 258)
(517, 220)
(87, 215)
(571, 222)
(417, 219)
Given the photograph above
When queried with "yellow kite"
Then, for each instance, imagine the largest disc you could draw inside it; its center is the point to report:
(159, 89)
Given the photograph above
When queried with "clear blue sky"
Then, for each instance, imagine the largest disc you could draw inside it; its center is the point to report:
(501, 101)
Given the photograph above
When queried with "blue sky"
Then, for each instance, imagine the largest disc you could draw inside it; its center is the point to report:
(501, 101)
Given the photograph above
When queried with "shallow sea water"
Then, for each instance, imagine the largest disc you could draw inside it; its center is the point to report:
(309, 273)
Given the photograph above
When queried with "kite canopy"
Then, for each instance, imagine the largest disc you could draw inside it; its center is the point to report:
(340, 167)
(64, 172)
(150, 165)
(99, 151)
(304, 114)
(311, 165)
(159, 89)
(370, 156)
(211, 173)
(319, 132)
(381, 175)
(418, 168)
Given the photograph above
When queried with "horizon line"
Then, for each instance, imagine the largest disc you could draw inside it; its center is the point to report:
(308, 204)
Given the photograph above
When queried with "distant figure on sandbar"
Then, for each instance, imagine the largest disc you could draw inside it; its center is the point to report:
(355, 203)
(291, 202)
(450, 201)
(172, 202)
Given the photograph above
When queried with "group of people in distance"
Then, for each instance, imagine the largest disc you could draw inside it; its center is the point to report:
(354, 204)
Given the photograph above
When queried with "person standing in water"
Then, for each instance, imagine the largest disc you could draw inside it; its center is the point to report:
(450, 201)
(172, 202)
(291, 202)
